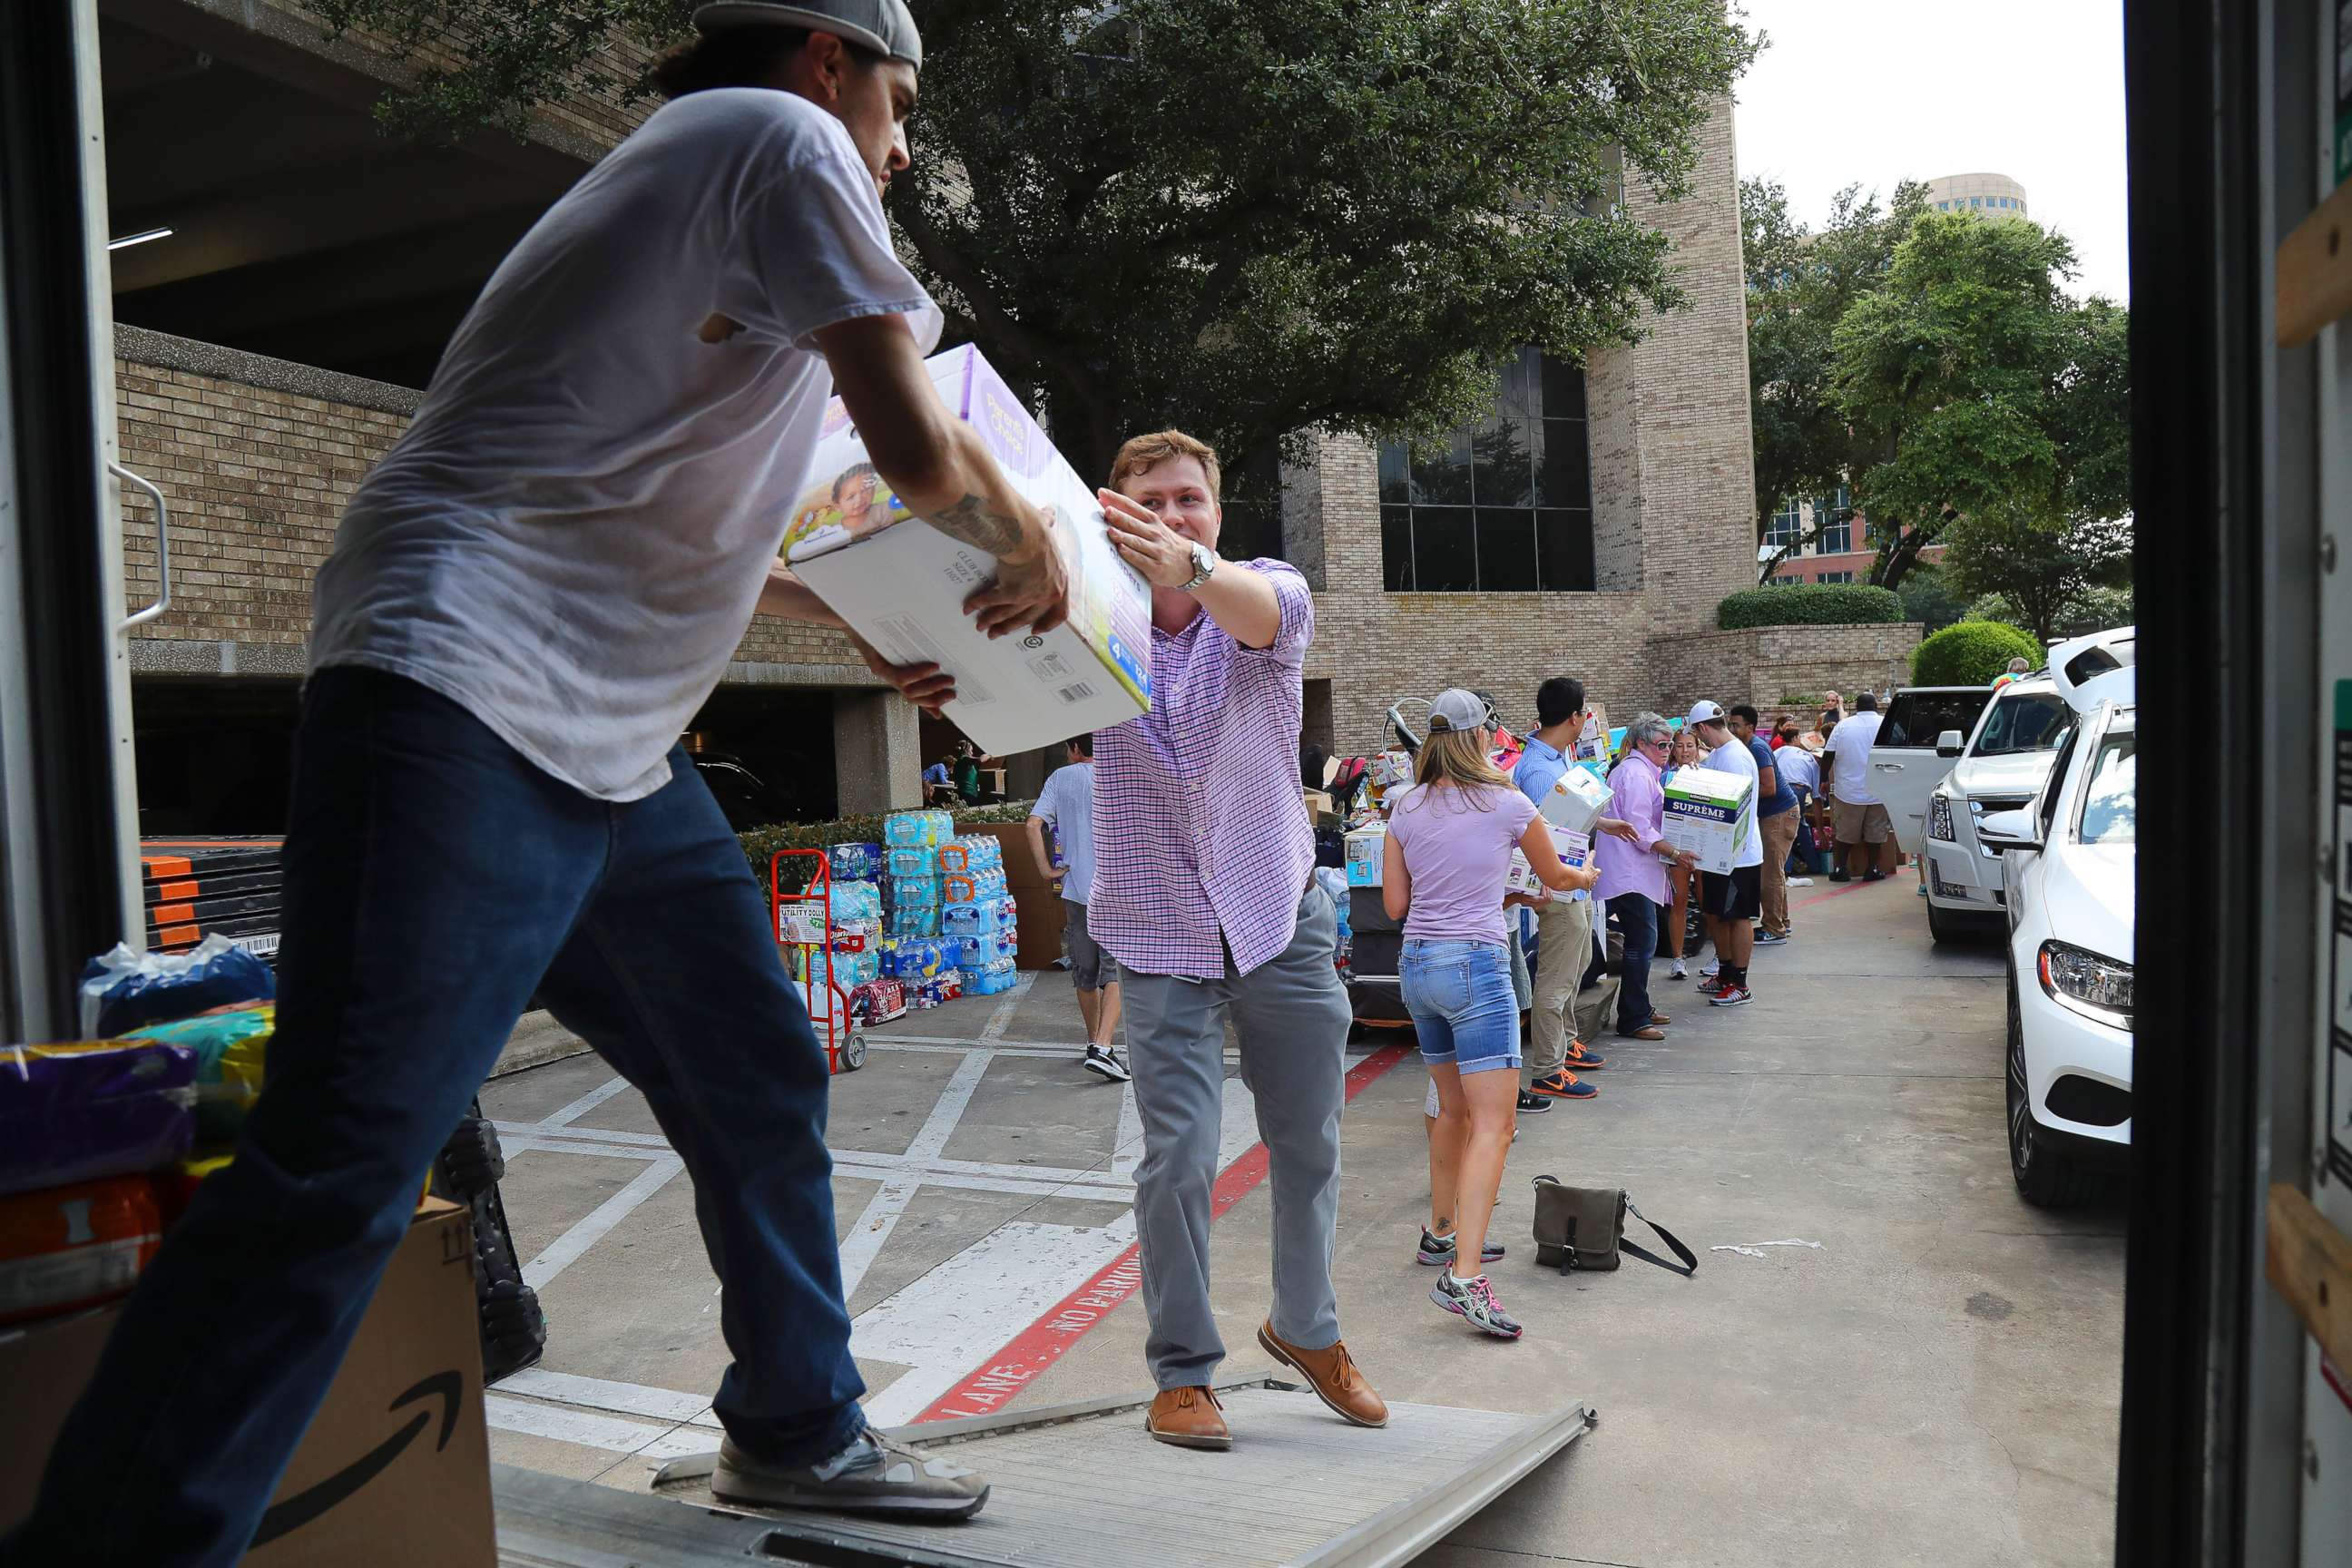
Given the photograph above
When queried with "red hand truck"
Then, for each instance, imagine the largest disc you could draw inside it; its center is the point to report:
(804, 921)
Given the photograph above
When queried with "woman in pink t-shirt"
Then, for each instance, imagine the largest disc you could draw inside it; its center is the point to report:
(1447, 859)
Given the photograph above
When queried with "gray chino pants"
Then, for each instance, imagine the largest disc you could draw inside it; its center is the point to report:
(1292, 1016)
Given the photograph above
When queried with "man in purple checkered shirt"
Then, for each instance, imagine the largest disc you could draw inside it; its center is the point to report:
(1203, 892)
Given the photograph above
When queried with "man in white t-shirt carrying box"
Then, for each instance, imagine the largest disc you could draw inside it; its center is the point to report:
(1731, 900)
(529, 598)
(1066, 804)
(1866, 833)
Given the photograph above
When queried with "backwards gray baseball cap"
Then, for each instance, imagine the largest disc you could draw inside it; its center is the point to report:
(885, 27)
(1460, 711)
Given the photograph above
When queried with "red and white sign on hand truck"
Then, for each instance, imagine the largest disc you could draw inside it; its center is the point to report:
(804, 921)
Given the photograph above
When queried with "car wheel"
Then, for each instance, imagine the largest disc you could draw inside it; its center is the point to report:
(2044, 1177)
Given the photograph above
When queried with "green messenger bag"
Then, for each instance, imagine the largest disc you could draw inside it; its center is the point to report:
(1583, 1229)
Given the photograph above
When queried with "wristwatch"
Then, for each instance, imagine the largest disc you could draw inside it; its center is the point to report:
(1204, 567)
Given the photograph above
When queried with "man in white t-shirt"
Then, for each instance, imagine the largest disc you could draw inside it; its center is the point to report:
(1731, 900)
(1866, 833)
(1067, 805)
(529, 598)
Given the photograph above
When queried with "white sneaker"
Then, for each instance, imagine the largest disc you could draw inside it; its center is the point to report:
(1801, 882)
(1678, 971)
(1712, 970)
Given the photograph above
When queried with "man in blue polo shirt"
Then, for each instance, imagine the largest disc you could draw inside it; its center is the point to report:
(1564, 923)
(1776, 820)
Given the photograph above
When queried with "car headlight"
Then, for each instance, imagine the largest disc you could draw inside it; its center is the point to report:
(1939, 818)
(2083, 981)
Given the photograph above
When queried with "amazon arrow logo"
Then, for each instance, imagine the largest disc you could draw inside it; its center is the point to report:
(284, 1518)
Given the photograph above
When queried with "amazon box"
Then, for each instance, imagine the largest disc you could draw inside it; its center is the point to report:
(395, 1469)
(900, 584)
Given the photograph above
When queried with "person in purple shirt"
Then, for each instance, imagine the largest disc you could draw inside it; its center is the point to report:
(1632, 873)
(1205, 893)
(1448, 855)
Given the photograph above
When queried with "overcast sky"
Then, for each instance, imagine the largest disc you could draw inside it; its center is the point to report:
(1882, 91)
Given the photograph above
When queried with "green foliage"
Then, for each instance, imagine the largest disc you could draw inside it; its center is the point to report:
(1800, 284)
(1971, 654)
(760, 844)
(1810, 605)
(1995, 607)
(1979, 388)
(1929, 598)
(2044, 568)
(1244, 219)
(2098, 610)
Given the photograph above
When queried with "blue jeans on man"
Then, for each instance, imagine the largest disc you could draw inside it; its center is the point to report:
(434, 881)
(1637, 919)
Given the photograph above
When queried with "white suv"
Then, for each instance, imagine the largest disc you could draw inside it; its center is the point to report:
(2070, 859)
(2003, 767)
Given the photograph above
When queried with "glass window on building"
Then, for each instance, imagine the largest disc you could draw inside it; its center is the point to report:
(1835, 577)
(1507, 507)
(1252, 507)
(1835, 515)
(1788, 525)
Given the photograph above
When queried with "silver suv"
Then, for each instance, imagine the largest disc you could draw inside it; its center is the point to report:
(2003, 767)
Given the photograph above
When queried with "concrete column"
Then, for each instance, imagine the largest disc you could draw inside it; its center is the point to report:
(876, 758)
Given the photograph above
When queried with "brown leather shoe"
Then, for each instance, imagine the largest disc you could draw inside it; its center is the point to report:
(1190, 1418)
(1332, 1375)
(1653, 1033)
(1660, 1019)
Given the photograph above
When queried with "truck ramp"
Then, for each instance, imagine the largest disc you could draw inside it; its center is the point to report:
(1079, 1486)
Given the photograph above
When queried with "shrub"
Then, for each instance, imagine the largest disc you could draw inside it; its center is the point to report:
(1972, 653)
(760, 844)
(1810, 605)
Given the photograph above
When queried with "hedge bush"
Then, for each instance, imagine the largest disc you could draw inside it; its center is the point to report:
(1810, 605)
(760, 844)
(1972, 653)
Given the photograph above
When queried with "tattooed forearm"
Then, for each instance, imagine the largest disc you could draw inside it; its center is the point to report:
(977, 522)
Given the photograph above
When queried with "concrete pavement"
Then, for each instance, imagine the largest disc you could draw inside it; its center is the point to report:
(1935, 1379)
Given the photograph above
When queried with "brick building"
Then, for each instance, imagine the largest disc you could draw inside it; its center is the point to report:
(270, 347)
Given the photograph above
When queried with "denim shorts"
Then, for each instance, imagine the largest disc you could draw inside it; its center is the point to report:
(1462, 1007)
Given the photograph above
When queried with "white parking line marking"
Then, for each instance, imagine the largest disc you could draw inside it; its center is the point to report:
(640, 1145)
(881, 1216)
(585, 1103)
(602, 1394)
(974, 1301)
(567, 1248)
(584, 1427)
(1127, 1143)
(1002, 1020)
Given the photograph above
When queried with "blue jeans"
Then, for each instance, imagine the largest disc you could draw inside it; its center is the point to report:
(433, 880)
(1463, 1007)
(1637, 917)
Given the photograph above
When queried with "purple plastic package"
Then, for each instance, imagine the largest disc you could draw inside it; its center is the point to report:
(79, 1112)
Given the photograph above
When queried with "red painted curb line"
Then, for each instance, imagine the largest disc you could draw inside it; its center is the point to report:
(1041, 1344)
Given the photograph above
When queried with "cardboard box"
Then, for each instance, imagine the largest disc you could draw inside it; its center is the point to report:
(1577, 803)
(1023, 875)
(404, 1413)
(1521, 879)
(1592, 741)
(1575, 849)
(1043, 914)
(1710, 813)
(1366, 855)
(900, 584)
